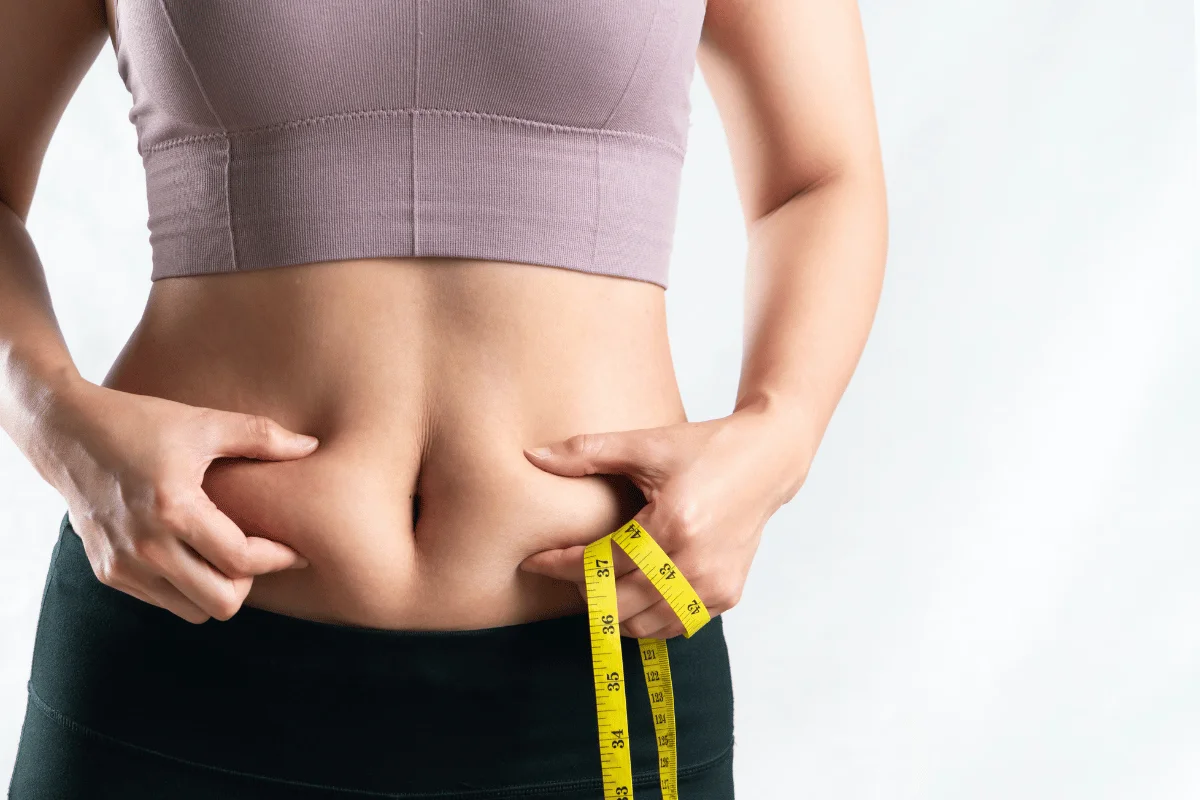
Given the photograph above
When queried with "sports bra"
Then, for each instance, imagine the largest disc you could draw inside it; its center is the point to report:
(278, 132)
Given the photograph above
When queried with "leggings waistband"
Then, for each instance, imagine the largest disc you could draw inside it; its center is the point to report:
(366, 709)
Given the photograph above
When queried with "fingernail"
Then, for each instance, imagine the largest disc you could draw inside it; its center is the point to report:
(301, 563)
(309, 441)
(539, 452)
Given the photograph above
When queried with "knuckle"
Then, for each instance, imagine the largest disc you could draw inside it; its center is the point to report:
(226, 603)
(684, 520)
(148, 551)
(106, 571)
(692, 515)
(170, 507)
(584, 444)
(224, 611)
(115, 569)
(258, 426)
(196, 617)
(726, 592)
(131, 547)
(638, 627)
(121, 563)
(237, 559)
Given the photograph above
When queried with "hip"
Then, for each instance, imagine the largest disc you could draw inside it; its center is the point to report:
(123, 694)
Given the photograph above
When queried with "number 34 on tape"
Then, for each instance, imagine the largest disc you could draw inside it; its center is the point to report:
(611, 717)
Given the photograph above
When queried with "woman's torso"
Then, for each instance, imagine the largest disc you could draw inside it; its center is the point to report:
(420, 377)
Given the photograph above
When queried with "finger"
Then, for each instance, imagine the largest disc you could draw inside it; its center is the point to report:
(635, 594)
(138, 593)
(255, 436)
(641, 454)
(137, 580)
(219, 540)
(669, 632)
(566, 564)
(654, 618)
(216, 594)
(622, 563)
(267, 555)
(159, 592)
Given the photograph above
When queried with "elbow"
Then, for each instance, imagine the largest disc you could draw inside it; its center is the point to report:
(862, 176)
(857, 185)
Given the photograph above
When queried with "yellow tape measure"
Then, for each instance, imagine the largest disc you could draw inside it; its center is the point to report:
(607, 669)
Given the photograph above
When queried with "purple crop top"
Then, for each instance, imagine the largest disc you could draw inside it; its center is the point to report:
(279, 132)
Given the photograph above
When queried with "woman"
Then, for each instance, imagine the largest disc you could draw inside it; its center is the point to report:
(404, 356)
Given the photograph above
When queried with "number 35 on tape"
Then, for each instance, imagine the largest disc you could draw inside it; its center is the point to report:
(611, 716)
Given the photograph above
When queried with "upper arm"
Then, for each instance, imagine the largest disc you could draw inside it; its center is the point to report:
(791, 85)
(46, 47)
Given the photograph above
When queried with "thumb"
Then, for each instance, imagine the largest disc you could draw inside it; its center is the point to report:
(260, 437)
(563, 565)
(640, 454)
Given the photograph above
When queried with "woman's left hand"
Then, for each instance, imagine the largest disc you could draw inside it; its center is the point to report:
(710, 488)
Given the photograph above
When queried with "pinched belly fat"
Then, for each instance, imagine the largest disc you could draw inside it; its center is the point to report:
(423, 380)
(453, 566)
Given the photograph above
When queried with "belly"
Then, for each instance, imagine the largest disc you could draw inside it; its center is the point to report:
(423, 379)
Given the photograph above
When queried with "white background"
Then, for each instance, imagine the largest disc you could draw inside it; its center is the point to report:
(990, 585)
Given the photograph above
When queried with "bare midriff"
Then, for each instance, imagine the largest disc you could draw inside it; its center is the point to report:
(423, 379)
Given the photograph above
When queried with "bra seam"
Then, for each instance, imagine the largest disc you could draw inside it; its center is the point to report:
(636, 65)
(596, 200)
(377, 112)
(222, 135)
(412, 127)
(116, 21)
(233, 253)
(546, 787)
(191, 67)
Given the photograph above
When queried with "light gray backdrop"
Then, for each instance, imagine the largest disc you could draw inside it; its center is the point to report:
(990, 585)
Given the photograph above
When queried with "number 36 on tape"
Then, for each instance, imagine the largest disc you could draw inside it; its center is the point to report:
(611, 717)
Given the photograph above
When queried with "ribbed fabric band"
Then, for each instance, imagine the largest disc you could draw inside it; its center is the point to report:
(348, 186)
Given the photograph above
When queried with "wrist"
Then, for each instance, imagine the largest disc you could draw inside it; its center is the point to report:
(786, 432)
(58, 392)
(52, 430)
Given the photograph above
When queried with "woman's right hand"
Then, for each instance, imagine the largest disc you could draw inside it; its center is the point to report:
(130, 468)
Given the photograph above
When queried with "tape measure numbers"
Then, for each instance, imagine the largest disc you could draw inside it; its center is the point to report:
(611, 716)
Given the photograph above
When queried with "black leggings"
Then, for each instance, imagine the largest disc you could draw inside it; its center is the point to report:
(128, 701)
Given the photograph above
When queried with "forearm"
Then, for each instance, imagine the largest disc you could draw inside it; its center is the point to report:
(813, 279)
(36, 369)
